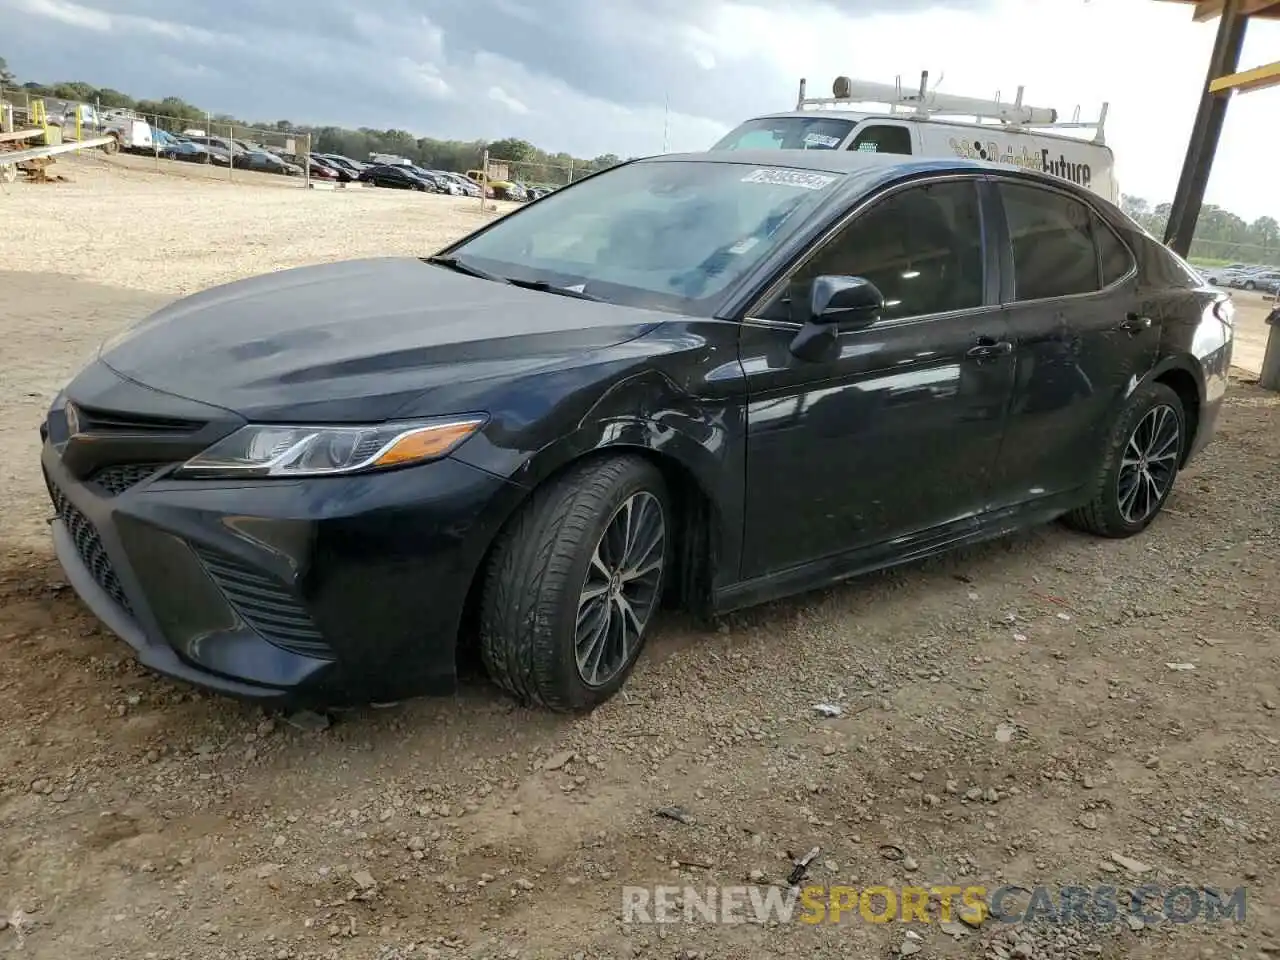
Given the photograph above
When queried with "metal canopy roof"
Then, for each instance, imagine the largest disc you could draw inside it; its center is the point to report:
(1224, 79)
(1259, 78)
(1209, 9)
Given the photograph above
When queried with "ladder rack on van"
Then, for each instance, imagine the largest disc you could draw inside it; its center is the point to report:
(925, 103)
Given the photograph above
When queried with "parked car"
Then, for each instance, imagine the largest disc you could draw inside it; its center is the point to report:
(1265, 280)
(711, 379)
(164, 143)
(267, 162)
(1232, 276)
(468, 188)
(224, 147)
(318, 170)
(336, 172)
(396, 176)
(182, 148)
(355, 167)
(433, 185)
(446, 183)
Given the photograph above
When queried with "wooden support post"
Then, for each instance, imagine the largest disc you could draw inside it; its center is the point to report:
(1269, 378)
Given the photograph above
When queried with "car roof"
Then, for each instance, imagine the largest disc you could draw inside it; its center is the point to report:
(826, 161)
(863, 170)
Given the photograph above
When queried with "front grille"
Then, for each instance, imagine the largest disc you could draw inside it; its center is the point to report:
(269, 607)
(116, 480)
(88, 543)
(95, 421)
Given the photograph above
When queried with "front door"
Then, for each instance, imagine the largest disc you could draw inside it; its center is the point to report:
(1083, 332)
(895, 433)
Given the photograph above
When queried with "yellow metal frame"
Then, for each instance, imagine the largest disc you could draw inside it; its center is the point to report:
(37, 117)
(1259, 78)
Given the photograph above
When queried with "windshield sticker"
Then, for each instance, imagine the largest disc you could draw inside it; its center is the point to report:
(820, 140)
(742, 246)
(803, 179)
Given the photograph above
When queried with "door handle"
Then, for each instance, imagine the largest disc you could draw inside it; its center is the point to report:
(1134, 323)
(987, 348)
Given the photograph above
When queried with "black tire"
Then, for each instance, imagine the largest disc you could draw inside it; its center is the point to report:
(1250, 285)
(531, 599)
(1106, 514)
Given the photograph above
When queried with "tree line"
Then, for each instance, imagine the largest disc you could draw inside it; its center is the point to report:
(174, 115)
(1220, 234)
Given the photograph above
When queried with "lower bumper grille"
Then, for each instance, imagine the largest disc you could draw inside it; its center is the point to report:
(88, 543)
(116, 480)
(269, 607)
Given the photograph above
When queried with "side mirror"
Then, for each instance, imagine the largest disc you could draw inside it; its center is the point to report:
(834, 303)
(848, 301)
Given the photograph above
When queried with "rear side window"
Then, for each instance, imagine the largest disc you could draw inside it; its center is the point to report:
(1052, 238)
(1114, 256)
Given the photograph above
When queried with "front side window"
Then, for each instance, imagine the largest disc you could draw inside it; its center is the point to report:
(787, 133)
(1053, 246)
(664, 234)
(922, 247)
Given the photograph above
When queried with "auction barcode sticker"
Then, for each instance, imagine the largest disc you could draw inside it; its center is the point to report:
(804, 179)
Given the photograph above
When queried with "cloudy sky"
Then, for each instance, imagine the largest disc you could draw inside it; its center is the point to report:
(625, 76)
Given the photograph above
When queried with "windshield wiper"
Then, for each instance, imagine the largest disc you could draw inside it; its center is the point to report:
(454, 263)
(545, 287)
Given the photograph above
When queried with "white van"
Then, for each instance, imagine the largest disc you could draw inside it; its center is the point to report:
(929, 124)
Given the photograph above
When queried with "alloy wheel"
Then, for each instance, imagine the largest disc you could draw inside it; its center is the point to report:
(621, 589)
(1149, 463)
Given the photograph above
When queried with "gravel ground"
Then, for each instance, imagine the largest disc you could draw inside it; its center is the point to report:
(1008, 714)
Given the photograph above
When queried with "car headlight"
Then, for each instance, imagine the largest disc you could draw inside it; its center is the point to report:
(271, 450)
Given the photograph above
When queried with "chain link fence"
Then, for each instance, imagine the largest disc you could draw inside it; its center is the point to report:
(1221, 252)
(205, 146)
(532, 174)
(225, 148)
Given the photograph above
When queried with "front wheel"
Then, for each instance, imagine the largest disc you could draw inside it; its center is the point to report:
(1141, 461)
(1250, 285)
(573, 583)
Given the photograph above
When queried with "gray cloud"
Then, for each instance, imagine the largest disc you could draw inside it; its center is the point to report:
(572, 74)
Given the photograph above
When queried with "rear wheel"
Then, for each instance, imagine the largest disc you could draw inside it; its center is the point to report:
(574, 582)
(1250, 285)
(1144, 451)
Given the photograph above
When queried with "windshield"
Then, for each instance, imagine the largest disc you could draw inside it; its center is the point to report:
(666, 235)
(787, 133)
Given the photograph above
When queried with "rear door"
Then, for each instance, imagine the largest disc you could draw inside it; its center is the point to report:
(1084, 333)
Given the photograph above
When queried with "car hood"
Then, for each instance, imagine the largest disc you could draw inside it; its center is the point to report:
(360, 340)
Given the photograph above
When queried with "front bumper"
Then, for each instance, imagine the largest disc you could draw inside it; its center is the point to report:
(331, 590)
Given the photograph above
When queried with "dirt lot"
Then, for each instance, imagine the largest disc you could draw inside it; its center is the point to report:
(1010, 715)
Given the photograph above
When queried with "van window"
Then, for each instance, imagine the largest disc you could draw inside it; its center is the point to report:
(1112, 253)
(922, 247)
(787, 133)
(1052, 238)
(882, 138)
